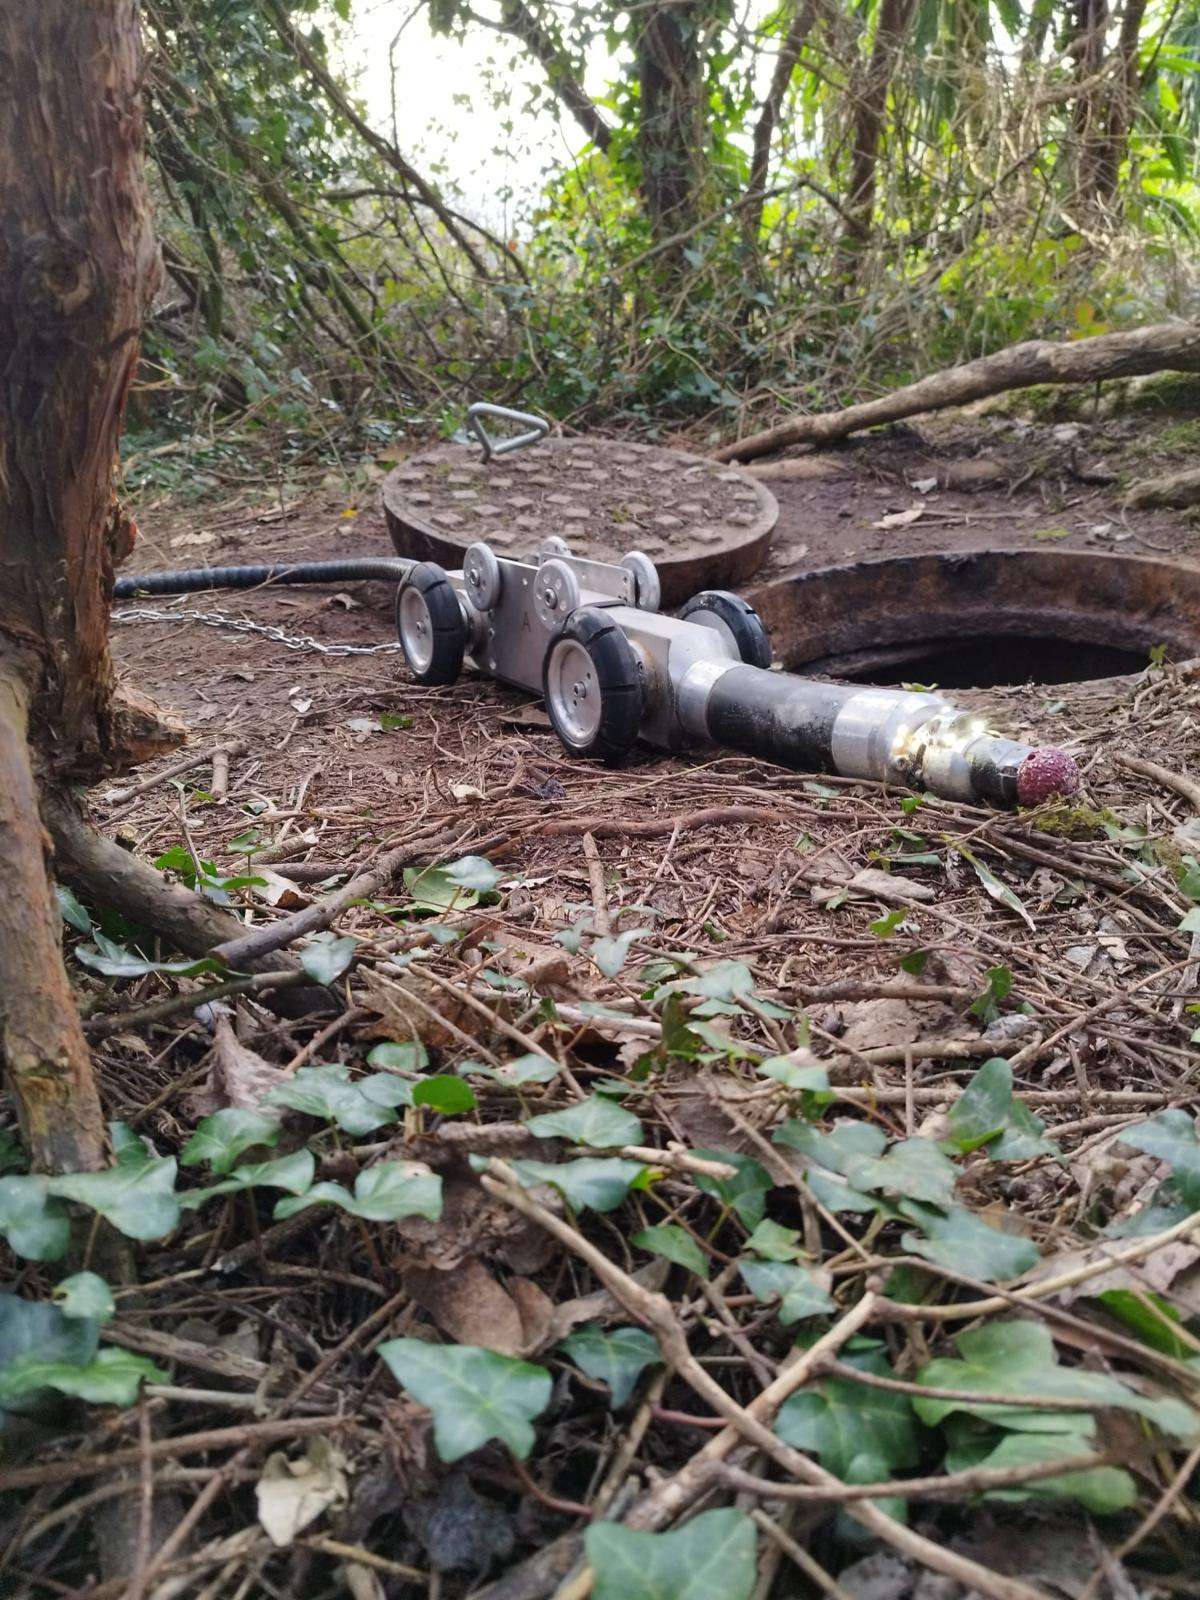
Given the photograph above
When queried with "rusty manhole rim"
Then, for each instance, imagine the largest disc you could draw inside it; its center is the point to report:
(820, 619)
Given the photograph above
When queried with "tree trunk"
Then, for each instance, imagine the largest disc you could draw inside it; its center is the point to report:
(870, 111)
(1087, 46)
(78, 265)
(803, 16)
(671, 135)
(1123, 96)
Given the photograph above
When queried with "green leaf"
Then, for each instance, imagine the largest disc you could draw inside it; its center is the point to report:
(475, 1395)
(986, 1114)
(674, 1244)
(847, 1424)
(1171, 1136)
(589, 1183)
(1102, 1490)
(798, 1292)
(914, 1169)
(999, 892)
(958, 1240)
(114, 961)
(293, 1172)
(12, 1157)
(830, 1156)
(745, 1194)
(326, 958)
(531, 1068)
(473, 872)
(1019, 1358)
(32, 1223)
(596, 1122)
(446, 1094)
(137, 1197)
(111, 1378)
(807, 1078)
(885, 926)
(411, 1056)
(84, 1294)
(71, 910)
(773, 1242)
(615, 1356)
(611, 953)
(383, 1193)
(433, 889)
(712, 1557)
(724, 980)
(327, 1092)
(39, 1328)
(222, 1138)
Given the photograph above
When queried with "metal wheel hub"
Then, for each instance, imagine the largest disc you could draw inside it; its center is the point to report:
(573, 690)
(416, 629)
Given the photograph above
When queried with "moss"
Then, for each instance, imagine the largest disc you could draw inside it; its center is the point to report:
(1171, 392)
(1076, 822)
(1181, 436)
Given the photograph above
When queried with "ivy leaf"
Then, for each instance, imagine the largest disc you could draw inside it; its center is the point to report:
(223, 1137)
(712, 1557)
(745, 1194)
(596, 1122)
(292, 1172)
(860, 1434)
(71, 910)
(986, 1114)
(724, 980)
(326, 958)
(434, 890)
(1102, 1490)
(327, 1093)
(1000, 892)
(137, 1197)
(611, 953)
(113, 960)
(798, 1292)
(807, 1078)
(675, 1244)
(615, 1356)
(40, 1328)
(383, 1193)
(408, 1057)
(773, 1242)
(1171, 1136)
(32, 1223)
(12, 1157)
(111, 1378)
(85, 1295)
(956, 1238)
(915, 1169)
(590, 1182)
(830, 1156)
(446, 1094)
(473, 872)
(475, 1395)
(531, 1068)
(1019, 1358)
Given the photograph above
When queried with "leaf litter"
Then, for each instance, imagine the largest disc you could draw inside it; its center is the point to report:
(899, 1124)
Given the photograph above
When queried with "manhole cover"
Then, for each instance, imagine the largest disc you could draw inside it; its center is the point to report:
(702, 524)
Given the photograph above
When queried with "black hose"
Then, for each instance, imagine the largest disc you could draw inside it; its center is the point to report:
(188, 581)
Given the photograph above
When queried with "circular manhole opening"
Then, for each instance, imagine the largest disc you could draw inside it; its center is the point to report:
(984, 618)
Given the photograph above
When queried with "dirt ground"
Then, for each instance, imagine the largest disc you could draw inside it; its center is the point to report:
(918, 939)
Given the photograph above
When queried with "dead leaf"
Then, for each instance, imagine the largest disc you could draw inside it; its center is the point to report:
(293, 1494)
(276, 890)
(238, 1077)
(469, 1305)
(466, 791)
(888, 886)
(900, 519)
(924, 485)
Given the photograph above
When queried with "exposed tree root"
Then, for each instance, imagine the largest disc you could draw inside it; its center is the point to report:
(1178, 489)
(1162, 347)
(41, 1040)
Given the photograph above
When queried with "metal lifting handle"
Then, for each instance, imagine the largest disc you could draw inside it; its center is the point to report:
(535, 428)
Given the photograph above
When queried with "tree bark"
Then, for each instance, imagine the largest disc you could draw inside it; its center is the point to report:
(870, 111)
(804, 14)
(1119, 116)
(78, 266)
(520, 22)
(671, 127)
(1166, 346)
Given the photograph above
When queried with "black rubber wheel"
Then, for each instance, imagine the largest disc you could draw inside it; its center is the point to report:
(738, 616)
(594, 689)
(430, 625)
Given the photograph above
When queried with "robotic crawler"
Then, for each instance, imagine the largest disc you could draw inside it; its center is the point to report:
(588, 636)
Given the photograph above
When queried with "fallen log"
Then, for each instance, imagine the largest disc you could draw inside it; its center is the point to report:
(1165, 346)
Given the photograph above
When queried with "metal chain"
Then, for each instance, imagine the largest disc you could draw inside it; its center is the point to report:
(220, 619)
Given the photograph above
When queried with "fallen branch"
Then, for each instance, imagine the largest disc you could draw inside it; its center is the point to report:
(1178, 782)
(1164, 346)
(128, 798)
(944, 1486)
(110, 1022)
